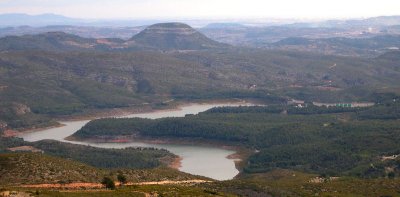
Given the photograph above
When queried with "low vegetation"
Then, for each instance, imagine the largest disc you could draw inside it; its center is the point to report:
(274, 183)
(37, 168)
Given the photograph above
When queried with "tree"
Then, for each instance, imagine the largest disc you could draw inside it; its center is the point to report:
(108, 183)
(144, 86)
(391, 175)
(121, 178)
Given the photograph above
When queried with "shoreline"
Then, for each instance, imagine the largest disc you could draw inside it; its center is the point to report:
(176, 163)
(120, 112)
(239, 157)
(16, 133)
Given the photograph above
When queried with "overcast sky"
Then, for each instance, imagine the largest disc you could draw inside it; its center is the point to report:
(205, 8)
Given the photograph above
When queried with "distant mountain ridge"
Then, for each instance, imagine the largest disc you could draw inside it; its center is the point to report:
(163, 36)
(12, 20)
(224, 25)
(368, 22)
(42, 20)
(82, 31)
(179, 36)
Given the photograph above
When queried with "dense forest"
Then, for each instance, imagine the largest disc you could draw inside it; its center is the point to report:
(334, 141)
(132, 158)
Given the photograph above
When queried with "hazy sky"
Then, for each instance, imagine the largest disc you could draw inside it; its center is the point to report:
(205, 8)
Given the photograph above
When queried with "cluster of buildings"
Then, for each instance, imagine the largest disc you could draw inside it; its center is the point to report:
(353, 104)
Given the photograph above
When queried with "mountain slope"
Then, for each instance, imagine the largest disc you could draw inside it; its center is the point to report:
(342, 46)
(57, 41)
(49, 75)
(70, 81)
(176, 36)
(36, 168)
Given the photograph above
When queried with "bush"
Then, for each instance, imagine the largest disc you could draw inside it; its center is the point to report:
(391, 175)
(108, 183)
(122, 178)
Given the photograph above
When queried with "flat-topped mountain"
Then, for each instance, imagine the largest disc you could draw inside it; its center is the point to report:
(163, 36)
(176, 36)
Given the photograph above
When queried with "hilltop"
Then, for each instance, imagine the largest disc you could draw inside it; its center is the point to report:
(177, 36)
(162, 36)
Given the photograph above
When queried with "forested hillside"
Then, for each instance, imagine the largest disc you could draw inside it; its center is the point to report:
(287, 147)
(133, 158)
(335, 141)
(61, 74)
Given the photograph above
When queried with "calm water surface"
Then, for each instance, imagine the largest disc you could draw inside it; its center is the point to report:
(200, 160)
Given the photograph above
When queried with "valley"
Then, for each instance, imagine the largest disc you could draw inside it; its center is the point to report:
(213, 160)
(303, 109)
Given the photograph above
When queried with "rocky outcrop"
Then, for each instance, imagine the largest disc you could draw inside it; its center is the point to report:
(20, 109)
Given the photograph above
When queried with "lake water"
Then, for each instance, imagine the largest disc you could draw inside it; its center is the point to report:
(199, 160)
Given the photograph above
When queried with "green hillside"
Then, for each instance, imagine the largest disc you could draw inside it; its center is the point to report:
(335, 141)
(132, 158)
(37, 168)
(52, 41)
(55, 74)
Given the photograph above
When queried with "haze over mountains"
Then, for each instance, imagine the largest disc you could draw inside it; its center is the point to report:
(163, 36)
(336, 37)
(49, 19)
(12, 20)
(18, 19)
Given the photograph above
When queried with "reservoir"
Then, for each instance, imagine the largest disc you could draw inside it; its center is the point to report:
(201, 160)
